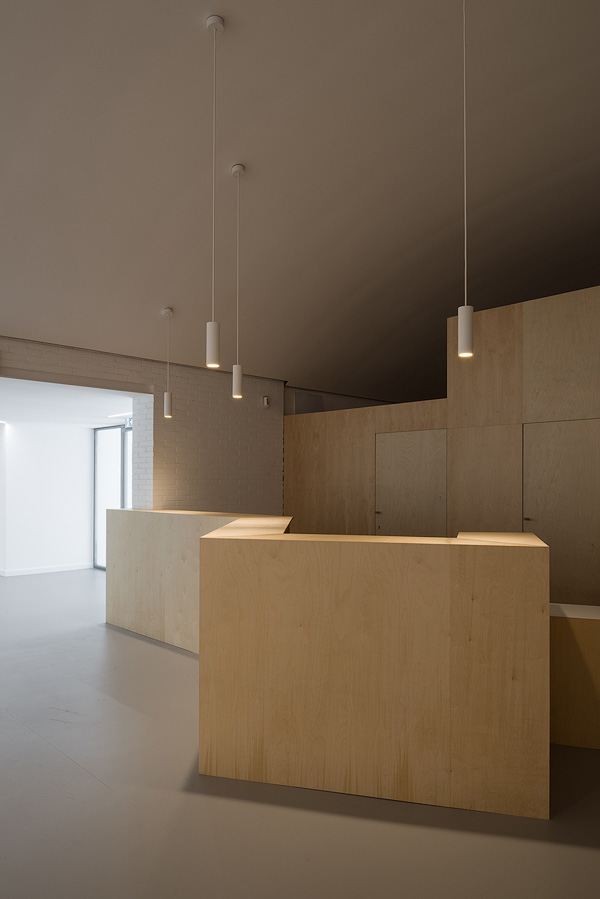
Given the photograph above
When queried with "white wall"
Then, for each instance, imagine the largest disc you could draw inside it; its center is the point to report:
(2, 500)
(216, 453)
(48, 498)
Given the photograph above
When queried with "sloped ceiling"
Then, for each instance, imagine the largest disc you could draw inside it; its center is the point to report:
(348, 117)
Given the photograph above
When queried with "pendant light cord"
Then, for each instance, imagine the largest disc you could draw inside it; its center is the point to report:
(214, 155)
(168, 354)
(465, 140)
(237, 277)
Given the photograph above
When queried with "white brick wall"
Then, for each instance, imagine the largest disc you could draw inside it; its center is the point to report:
(215, 454)
(143, 451)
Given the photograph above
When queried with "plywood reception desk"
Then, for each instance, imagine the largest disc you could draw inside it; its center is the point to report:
(399, 667)
(152, 569)
(404, 668)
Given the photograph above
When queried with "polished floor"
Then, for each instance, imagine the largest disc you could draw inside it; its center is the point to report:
(99, 795)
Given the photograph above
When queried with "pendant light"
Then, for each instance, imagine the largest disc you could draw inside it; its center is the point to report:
(167, 312)
(465, 312)
(214, 24)
(237, 170)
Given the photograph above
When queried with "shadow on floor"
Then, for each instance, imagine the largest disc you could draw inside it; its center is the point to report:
(575, 803)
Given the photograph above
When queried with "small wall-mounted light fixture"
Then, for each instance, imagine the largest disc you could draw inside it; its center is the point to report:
(167, 312)
(265, 401)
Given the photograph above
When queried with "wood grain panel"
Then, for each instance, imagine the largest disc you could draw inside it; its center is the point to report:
(561, 499)
(152, 572)
(335, 651)
(325, 479)
(487, 389)
(411, 483)
(179, 560)
(500, 680)
(368, 667)
(507, 539)
(134, 576)
(561, 375)
(425, 416)
(329, 463)
(575, 682)
(484, 479)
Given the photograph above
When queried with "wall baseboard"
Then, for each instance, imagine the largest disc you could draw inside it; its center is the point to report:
(51, 570)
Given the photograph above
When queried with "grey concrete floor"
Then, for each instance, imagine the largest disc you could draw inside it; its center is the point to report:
(99, 795)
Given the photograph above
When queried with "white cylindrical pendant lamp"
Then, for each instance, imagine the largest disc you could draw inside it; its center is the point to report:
(465, 313)
(465, 331)
(213, 339)
(167, 312)
(237, 382)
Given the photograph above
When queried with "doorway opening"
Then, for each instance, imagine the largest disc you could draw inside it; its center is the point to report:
(51, 434)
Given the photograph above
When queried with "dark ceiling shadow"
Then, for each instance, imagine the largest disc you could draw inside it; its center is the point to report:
(575, 792)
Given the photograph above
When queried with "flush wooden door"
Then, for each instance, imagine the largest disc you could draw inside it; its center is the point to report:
(411, 483)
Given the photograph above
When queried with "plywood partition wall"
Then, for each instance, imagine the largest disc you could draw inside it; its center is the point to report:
(487, 389)
(561, 501)
(484, 479)
(329, 463)
(561, 358)
(535, 362)
(400, 668)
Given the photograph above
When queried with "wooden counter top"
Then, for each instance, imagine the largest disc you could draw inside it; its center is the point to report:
(275, 527)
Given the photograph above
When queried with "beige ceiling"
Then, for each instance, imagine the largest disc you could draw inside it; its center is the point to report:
(348, 117)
